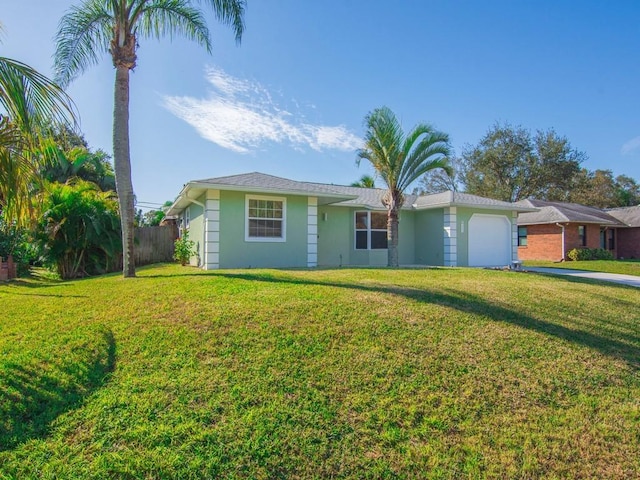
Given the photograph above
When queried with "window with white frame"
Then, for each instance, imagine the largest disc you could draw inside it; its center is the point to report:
(187, 217)
(371, 230)
(265, 219)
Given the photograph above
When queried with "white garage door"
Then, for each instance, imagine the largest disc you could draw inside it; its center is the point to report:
(489, 240)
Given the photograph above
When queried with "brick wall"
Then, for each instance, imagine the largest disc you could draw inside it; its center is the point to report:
(572, 239)
(628, 242)
(7, 269)
(544, 242)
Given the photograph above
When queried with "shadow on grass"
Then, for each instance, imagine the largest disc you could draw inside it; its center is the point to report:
(628, 351)
(30, 399)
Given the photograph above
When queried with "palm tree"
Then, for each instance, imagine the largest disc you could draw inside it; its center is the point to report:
(366, 181)
(28, 101)
(116, 26)
(399, 160)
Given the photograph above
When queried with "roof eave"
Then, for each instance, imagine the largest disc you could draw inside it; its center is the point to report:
(176, 207)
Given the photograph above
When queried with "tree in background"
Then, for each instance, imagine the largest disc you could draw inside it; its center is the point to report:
(153, 218)
(600, 189)
(77, 162)
(366, 181)
(509, 164)
(438, 181)
(116, 26)
(399, 160)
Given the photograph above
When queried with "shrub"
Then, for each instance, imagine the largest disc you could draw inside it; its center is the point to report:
(578, 254)
(184, 249)
(17, 242)
(80, 231)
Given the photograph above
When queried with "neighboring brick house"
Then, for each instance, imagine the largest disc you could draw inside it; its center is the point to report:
(628, 238)
(557, 228)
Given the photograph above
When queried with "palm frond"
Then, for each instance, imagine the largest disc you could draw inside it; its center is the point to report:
(83, 34)
(230, 12)
(160, 18)
(28, 97)
(400, 159)
(17, 176)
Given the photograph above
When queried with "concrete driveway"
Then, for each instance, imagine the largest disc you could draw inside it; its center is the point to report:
(607, 277)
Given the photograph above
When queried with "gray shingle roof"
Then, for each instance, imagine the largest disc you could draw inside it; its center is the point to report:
(335, 194)
(262, 181)
(627, 215)
(561, 212)
(465, 200)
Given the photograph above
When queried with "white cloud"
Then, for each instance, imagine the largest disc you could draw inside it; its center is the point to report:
(240, 115)
(630, 146)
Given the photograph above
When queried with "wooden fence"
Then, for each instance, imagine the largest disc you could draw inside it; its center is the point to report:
(154, 244)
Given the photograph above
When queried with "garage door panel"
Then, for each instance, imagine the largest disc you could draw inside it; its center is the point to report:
(489, 240)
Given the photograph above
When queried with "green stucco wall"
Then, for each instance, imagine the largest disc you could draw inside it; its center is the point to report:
(463, 217)
(429, 237)
(336, 242)
(196, 231)
(335, 238)
(235, 252)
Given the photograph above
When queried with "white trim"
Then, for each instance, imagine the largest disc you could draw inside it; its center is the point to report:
(450, 237)
(515, 236)
(211, 230)
(312, 232)
(281, 239)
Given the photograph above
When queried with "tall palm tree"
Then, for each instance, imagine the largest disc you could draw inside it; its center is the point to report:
(116, 26)
(399, 160)
(28, 102)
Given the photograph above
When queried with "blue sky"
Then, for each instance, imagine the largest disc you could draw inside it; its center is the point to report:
(290, 100)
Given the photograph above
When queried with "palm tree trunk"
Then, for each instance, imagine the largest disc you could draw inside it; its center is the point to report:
(122, 167)
(392, 236)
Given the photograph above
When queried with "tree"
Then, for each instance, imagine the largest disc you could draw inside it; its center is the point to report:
(399, 160)
(153, 218)
(600, 189)
(28, 101)
(116, 26)
(366, 181)
(438, 181)
(627, 191)
(509, 164)
(61, 165)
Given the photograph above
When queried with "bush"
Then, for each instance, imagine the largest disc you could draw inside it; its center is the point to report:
(17, 242)
(80, 230)
(578, 254)
(184, 249)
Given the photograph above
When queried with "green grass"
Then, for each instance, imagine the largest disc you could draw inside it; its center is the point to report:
(353, 373)
(626, 267)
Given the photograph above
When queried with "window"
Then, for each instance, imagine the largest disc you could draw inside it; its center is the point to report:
(522, 236)
(582, 235)
(265, 219)
(187, 217)
(371, 230)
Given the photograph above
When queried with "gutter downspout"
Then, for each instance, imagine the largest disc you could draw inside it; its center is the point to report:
(204, 225)
(563, 252)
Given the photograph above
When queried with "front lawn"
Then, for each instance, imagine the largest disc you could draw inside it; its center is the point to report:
(346, 373)
(626, 267)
